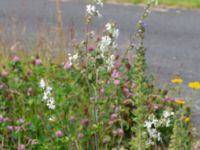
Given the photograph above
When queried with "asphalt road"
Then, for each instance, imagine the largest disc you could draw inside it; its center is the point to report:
(172, 37)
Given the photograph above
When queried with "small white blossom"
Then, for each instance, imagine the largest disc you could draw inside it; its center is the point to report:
(42, 84)
(47, 97)
(110, 36)
(110, 62)
(148, 124)
(48, 89)
(52, 119)
(108, 26)
(99, 2)
(114, 45)
(166, 114)
(152, 133)
(152, 125)
(159, 137)
(51, 103)
(105, 42)
(168, 123)
(91, 9)
(99, 15)
(72, 58)
(115, 33)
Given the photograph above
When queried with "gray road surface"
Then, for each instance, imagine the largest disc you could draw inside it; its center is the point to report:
(172, 37)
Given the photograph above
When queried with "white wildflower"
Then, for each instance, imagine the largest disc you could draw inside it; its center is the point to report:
(108, 27)
(47, 96)
(52, 119)
(91, 9)
(166, 114)
(114, 45)
(148, 124)
(72, 58)
(150, 142)
(99, 15)
(42, 84)
(75, 57)
(152, 125)
(168, 123)
(110, 62)
(115, 33)
(51, 103)
(152, 133)
(99, 2)
(159, 137)
(105, 42)
(110, 36)
(92, 33)
(155, 122)
(167, 118)
(48, 89)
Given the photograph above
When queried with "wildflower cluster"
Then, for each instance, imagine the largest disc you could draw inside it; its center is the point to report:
(91, 10)
(47, 96)
(154, 135)
(103, 100)
(153, 125)
(71, 60)
(109, 39)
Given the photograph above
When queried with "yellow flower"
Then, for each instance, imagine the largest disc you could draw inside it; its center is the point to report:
(181, 102)
(187, 119)
(178, 80)
(194, 85)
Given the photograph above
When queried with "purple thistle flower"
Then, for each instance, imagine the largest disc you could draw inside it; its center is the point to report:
(90, 49)
(115, 74)
(169, 99)
(21, 147)
(38, 61)
(72, 119)
(67, 65)
(10, 128)
(1, 86)
(116, 82)
(16, 59)
(85, 122)
(6, 119)
(59, 134)
(120, 132)
(1, 119)
(126, 91)
(113, 117)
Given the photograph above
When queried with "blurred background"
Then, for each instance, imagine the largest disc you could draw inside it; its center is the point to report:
(174, 3)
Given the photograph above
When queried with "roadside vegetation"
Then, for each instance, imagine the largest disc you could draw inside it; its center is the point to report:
(89, 95)
(165, 3)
